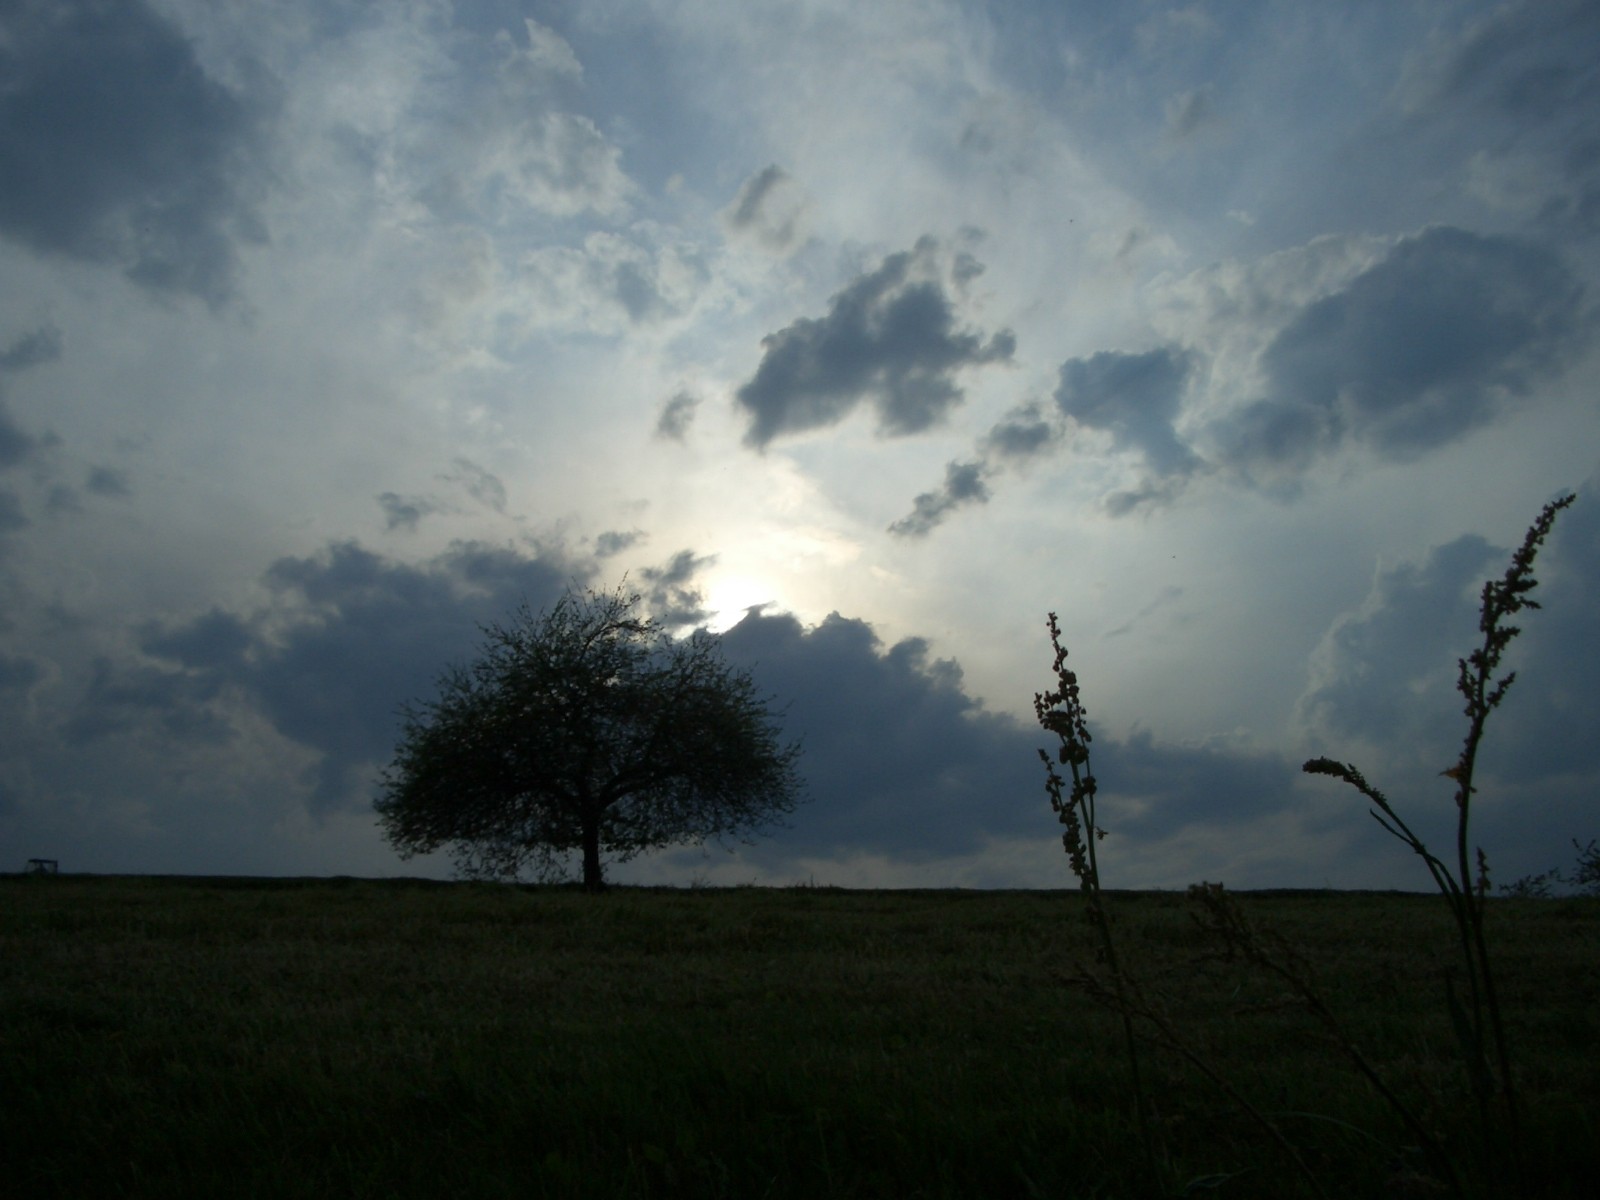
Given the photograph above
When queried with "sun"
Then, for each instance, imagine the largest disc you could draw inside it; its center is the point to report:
(728, 597)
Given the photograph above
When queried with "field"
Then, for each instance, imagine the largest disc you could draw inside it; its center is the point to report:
(213, 1037)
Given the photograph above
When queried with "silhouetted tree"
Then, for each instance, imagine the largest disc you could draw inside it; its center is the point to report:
(589, 727)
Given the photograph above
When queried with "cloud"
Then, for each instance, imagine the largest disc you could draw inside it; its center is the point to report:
(1164, 790)
(18, 673)
(117, 147)
(1166, 597)
(897, 758)
(901, 762)
(1522, 78)
(770, 210)
(32, 349)
(217, 640)
(1418, 350)
(1136, 398)
(671, 595)
(1382, 692)
(12, 518)
(677, 414)
(1399, 351)
(1133, 397)
(1544, 733)
(612, 282)
(482, 485)
(15, 444)
(349, 636)
(615, 542)
(1189, 112)
(889, 339)
(547, 54)
(1024, 433)
(963, 485)
(405, 512)
(108, 481)
(1385, 674)
(499, 141)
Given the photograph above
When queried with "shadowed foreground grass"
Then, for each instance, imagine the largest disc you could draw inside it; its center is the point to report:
(362, 1038)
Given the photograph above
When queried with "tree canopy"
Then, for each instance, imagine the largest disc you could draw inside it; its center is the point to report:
(585, 727)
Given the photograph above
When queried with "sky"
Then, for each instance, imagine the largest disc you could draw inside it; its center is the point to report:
(1246, 337)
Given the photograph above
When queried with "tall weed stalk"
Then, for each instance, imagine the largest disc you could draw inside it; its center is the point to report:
(1478, 1023)
(1061, 712)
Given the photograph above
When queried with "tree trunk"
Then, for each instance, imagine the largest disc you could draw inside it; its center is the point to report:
(593, 881)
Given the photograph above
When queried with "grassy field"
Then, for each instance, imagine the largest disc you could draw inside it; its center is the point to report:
(389, 1038)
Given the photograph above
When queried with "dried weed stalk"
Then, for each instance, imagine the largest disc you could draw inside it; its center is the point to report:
(1061, 712)
(1478, 1023)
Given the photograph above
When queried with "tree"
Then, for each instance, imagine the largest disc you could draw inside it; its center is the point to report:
(586, 726)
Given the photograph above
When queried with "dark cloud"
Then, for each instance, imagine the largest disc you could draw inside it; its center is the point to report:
(889, 339)
(671, 593)
(405, 512)
(18, 673)
(349, 638)
(747, 204)
(1133, 397)
(965, 269)
(636, 291)
(1022, 433)
(117, 147)
(161, 704)
(1427, 345)
(615, 542)
(1152, 493)
(1166, 597)
(1158, 791)
(900, 761)
(677, 414)
(15, 445)
(108, 481)
(216, 641)
(1383, 694)
(1385, 674)
(897, 758)
(12, 517)
(1523, 78)
(62, 499)
(1439, 338)
(1545, 731)
(482, 485)
(32, 349)
(770, 208)
(1189, 112)
(963, 485)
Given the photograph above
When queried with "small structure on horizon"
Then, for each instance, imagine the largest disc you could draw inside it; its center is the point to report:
(43, 866)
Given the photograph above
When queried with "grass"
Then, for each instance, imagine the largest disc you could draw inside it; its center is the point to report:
(170, 1037)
